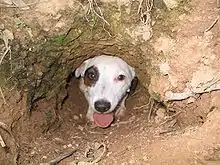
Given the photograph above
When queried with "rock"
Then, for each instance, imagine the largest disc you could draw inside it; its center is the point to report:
(171, 3)
(161, 112)
(164, 68)
(69, 145)
(76, 117)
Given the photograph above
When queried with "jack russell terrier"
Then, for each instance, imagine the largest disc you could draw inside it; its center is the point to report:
(106, 82)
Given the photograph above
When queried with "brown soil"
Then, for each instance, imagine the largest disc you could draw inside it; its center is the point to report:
(180, 132)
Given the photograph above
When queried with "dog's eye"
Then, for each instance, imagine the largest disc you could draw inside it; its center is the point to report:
(121, 77)
(91, 76)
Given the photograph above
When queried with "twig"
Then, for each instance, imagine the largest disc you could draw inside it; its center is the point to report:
(140, 6)
(92, 132)
(171, 118)
(5, 127)
(15, 151)
(143, 106)
(2, 95)
(212, 25)
(140, 107)
(145, 13)
(60, 158)
(92, 9)
(100, 156)
(124, 122)
(2, 142)
(151, 109)
(4, 54)
(101, 14)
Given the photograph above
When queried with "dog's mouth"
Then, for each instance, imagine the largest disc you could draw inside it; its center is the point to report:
(103, 120)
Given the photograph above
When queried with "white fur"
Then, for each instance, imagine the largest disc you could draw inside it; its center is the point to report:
(109, 67)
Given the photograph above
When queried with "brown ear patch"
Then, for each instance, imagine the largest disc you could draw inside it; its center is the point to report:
(91, 76)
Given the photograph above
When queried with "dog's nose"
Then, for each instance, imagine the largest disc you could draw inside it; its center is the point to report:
(102, 105)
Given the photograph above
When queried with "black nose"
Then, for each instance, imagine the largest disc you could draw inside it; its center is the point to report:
(102, 105)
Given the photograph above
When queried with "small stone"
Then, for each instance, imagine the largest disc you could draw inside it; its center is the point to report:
(60, 24)
(44, 157)
(80, 128)
(58, 16)
(161, 112)
(33, 152)
(182, 16)
(191, 100)
(164, 68)
(65, 146)
(73, 163)
(69, 145)
(132, 161)
(58, 139)
(2, 26)
(76, 117)
(145, 158)
(84, 163)
(171, 3)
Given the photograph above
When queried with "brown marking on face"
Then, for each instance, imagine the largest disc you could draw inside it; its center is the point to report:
(91, 76)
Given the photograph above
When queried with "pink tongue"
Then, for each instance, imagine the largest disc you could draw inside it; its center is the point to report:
(103, 120)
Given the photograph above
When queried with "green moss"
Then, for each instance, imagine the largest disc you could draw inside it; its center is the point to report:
(58, 40)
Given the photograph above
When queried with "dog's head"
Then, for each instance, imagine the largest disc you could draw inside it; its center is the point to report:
(107, 79)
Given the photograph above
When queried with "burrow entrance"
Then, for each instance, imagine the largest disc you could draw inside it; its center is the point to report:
(46, 113)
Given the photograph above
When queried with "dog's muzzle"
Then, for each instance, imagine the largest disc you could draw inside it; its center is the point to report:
(102, 106)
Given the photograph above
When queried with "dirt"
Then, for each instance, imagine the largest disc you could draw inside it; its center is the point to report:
(153, 131)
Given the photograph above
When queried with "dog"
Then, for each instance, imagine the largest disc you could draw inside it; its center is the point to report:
(106, 82)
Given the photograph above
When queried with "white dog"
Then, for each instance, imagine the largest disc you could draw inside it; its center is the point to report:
(105, 82)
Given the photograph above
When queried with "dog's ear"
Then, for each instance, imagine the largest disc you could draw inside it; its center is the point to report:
(80, 71)
(133, 85)
(134, 81)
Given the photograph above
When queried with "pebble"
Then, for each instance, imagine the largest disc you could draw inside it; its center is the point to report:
(161, 112)
(76, 117)
(44, 157)
(80, 128)
(69, 145)
(33, 152)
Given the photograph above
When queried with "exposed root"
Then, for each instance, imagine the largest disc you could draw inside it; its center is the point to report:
(2, 142)
(144, 9)
(15, 147)
(151, 109)
(124, 122)
(100, 156)
(60, 158)
(145, 105)
(94, 8)
(212, 25)
(3, 97)
(170, 118)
